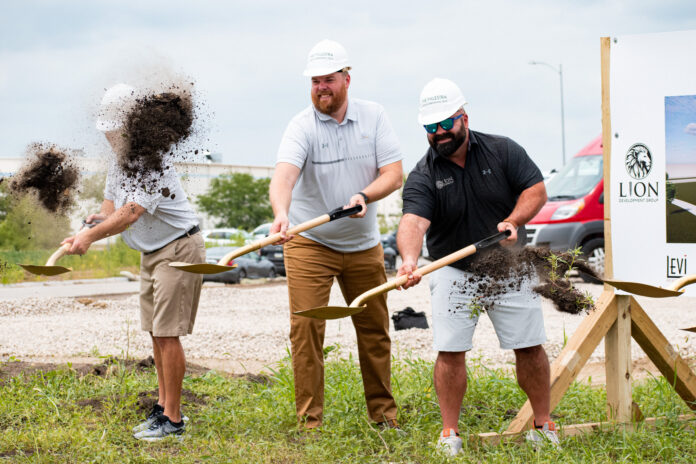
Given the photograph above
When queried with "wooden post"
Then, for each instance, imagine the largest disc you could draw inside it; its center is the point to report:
(577, 351)
(663, 355)
(605, 45)
(618, 363)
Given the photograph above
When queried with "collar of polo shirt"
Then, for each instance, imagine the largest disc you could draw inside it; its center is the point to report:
(351, 113)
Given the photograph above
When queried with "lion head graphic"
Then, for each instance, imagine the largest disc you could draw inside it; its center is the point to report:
(638, 161)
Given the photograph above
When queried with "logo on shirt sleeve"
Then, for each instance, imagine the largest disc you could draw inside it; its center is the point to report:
(486, 172)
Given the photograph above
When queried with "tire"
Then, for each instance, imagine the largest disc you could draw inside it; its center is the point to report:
(272, 273)
(593, 252)
(242, 275)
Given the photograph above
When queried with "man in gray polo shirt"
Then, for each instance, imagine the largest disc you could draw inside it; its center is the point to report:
(338, 151)
(153, 216)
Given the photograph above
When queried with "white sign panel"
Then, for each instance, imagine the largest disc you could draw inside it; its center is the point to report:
(653, 157)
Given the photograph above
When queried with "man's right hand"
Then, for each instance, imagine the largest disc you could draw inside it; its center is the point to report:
(407, 268)
(95, 218)
(280, 224)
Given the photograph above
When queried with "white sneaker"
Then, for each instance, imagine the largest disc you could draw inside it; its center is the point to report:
(546, 435)
(449, 442)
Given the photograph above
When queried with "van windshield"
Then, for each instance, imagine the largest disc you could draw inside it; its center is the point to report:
(576, 179)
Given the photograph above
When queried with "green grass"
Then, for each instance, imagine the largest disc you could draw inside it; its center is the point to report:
(93, 264)
(681, 225)
(43, 418)
(686, 191)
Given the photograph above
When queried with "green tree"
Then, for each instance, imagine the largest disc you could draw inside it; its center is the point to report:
(237, 200)
(671, 190)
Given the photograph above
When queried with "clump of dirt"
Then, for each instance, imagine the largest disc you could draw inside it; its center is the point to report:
(155, 124)
(500, 270)
(50, 173)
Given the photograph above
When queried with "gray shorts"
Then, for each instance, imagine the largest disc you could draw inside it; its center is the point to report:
(516, 315)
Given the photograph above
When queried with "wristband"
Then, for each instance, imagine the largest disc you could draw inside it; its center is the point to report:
(367, 199)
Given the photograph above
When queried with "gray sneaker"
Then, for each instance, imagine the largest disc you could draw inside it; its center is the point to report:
(449, 442)
(157, 410)
(546, 435)
(162, 428)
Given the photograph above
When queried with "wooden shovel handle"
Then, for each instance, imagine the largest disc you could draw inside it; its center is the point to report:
(683, 282)
(271, 239)
(59, 253)
(399, 281)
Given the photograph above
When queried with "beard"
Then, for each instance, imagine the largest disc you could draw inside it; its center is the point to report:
(452, 142)
(331, 105)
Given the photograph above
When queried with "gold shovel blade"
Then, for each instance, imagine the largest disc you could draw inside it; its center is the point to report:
(45, 270)
(202, 268)
(638, 288)
(330, 312)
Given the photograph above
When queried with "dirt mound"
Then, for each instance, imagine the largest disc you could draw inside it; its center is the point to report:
(156, 124)
(49, 172)
(500, 270)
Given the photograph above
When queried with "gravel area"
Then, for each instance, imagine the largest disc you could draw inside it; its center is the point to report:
(244, 328)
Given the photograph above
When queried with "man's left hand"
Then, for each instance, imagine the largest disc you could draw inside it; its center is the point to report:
(355, 200)
(512, 239)
(79, 244)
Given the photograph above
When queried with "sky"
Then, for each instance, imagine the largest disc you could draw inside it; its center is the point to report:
(680, 129)
(246, 59)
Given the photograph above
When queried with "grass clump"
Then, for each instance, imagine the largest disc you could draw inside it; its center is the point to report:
(64, 416)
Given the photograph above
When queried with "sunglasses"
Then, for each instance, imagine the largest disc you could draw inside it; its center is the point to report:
(447, 124)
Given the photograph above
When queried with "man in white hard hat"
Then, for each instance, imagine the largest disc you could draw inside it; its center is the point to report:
(468, 186)
(338, 151)
(164, 229)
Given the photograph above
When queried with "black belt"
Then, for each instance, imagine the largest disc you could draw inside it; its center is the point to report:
(193, 230)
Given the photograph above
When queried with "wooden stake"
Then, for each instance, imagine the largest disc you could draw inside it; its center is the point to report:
(577, 351)
(662, 354)
(618, 364)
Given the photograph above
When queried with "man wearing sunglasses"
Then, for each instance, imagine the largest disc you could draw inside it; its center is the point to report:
(338, 151)
(467, 186)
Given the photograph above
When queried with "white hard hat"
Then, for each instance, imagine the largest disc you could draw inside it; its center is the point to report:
(439, 99)
(326, 57)
(114, 106)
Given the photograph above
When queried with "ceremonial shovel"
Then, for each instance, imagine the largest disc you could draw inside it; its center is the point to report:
(221, 266)
(358, 304)
(50, 269)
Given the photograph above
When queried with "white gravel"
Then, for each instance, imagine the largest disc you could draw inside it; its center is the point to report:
(245, 328)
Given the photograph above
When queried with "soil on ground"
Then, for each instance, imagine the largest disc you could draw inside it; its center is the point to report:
(501, 270)
(49, 172)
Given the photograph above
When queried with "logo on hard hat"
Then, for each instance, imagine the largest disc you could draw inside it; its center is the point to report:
(638, 161)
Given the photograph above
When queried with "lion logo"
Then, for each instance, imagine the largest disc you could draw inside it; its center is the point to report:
(638, 161)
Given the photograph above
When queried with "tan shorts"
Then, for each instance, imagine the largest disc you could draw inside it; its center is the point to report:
(168, 296)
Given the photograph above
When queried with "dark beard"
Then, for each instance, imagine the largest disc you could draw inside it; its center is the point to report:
(447, 149)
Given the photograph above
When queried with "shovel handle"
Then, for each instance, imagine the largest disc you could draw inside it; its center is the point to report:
(337, 213)
(59, 253)
(683, 282)
(434, 266)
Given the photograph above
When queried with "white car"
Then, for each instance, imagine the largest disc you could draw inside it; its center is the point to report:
(225, 237)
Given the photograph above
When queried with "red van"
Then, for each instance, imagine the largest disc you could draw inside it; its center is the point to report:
(574, 213)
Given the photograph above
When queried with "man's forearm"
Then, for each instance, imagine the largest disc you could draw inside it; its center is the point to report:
(115, 223)
(384, 184)
(280, 195)
(528, 204)
(409, 239)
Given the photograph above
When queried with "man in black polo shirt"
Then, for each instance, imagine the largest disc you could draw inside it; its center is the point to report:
(468, 186)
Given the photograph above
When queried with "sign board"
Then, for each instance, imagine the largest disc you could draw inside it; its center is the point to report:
(653, 157)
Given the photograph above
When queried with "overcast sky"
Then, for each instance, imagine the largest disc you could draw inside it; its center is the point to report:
(246, 59)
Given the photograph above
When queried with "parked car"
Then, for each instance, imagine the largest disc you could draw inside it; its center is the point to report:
(261, 231)
(274, 253)
(574, 213)
(225, 237)
(390, 250)
(251, 265)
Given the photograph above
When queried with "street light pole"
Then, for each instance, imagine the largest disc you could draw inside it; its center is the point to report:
(559, 70)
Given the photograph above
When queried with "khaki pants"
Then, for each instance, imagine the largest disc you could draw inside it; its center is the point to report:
(169, 296)
(311, 268)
